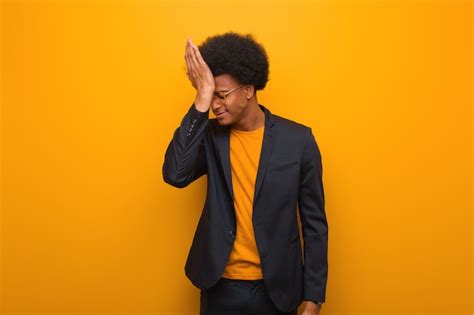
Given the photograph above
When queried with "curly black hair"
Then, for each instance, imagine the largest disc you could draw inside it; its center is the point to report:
(238, 55)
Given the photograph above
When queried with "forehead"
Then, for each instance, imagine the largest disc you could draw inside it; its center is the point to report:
(225, 82)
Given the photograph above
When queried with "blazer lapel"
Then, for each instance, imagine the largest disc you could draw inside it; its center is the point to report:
(269, 136)
(224, 151)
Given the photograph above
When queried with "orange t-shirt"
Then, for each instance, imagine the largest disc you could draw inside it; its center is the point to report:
(244, 260)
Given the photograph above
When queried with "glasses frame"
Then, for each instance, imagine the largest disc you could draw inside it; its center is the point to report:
(219, 96)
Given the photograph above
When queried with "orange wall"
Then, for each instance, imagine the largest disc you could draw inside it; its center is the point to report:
(93, 91)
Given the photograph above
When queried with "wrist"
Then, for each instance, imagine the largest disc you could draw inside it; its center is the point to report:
(201, 106)
(203, 103)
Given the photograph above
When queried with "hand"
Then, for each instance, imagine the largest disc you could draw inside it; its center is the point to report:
(311, 308)
(200, 75)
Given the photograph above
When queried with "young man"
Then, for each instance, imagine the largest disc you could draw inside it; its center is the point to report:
(246, 255)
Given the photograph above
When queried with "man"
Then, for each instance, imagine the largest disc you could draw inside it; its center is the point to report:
(246, 255)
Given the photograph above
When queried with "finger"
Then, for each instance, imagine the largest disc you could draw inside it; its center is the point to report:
(192, 69)
(195, 51)
(192, 55)
(186, 58)
(199, 57)
(188, 49)
(194, 62)
(190, 73)
(186, 53)
(189, 63)
(204, 68)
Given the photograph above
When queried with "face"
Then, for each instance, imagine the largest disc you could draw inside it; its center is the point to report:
(236, 102)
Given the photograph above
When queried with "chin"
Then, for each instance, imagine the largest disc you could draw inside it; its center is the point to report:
(224, 122)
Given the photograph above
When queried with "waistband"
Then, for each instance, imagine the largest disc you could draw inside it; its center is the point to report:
(241, 280)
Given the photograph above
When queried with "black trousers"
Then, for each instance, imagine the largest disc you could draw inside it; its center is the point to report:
(238, 297)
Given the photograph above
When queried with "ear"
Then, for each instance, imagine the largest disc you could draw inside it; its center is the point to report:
(249, 91)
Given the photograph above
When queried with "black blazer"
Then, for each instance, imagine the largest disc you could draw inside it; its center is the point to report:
(289, 172)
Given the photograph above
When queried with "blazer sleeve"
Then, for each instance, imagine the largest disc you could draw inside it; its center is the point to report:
(313, 221)
(185, 158)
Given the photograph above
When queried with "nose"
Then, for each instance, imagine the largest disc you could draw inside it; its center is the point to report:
(216, 105)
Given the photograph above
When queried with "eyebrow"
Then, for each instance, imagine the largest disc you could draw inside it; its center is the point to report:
(222, 90)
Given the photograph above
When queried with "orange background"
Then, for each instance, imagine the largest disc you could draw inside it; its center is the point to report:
(93, 91)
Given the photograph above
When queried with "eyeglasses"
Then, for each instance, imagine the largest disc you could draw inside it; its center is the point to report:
(222, 95)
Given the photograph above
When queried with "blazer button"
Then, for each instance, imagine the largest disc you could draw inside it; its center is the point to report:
(232, 234)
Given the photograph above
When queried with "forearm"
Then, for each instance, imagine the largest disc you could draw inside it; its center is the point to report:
(185, 159)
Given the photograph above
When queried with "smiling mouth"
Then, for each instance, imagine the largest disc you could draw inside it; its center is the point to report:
(218, 114)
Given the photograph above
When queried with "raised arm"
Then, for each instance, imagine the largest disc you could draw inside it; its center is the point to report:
(185, 158)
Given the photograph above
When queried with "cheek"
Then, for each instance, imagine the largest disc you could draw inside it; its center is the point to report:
(236, 109)
(237, 106)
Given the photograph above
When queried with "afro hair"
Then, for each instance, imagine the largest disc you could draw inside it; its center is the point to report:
(238, 55)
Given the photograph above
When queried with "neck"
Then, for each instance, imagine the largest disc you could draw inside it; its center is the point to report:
(253, 118)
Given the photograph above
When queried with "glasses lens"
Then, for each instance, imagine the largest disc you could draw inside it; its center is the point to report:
(220, 97)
